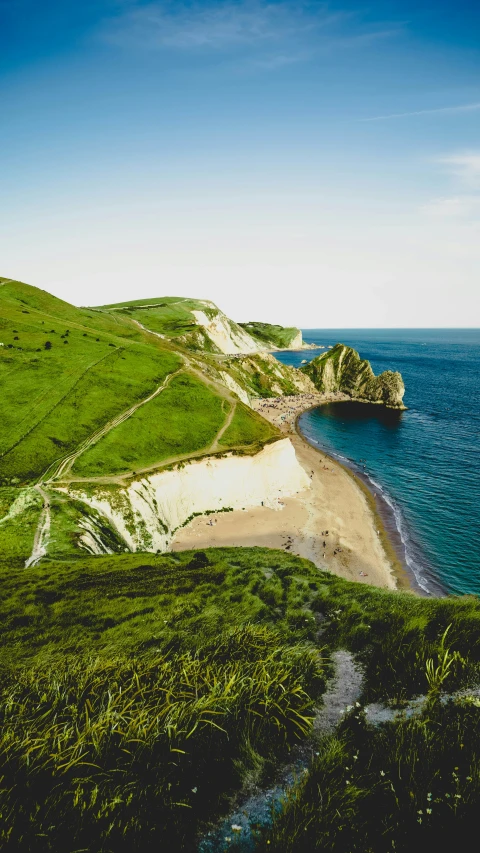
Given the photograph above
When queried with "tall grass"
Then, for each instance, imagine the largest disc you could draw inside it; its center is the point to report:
(405, 786)
(121, 754)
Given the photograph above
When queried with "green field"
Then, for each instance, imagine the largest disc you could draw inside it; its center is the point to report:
(55, 398)
(66, 372)
(184, 418)
(247, 429)
(140, 692)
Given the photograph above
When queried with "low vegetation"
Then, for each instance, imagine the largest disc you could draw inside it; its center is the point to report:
(139, 692)
(184, 418)
(272, 335)
(248, 429)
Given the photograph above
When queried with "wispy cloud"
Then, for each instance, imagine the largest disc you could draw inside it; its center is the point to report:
(216, 26)
(457, 207)
(464, 165)
(270, 34)
(462, 108)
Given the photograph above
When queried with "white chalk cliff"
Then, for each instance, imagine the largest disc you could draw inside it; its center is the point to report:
(225, 334)
(146, 513)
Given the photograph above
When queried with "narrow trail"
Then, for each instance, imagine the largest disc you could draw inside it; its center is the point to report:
(61, 467)
(216, 443)
(40, 540)
(343, 690)
(65, 465)
(59, 470)
(122, 479)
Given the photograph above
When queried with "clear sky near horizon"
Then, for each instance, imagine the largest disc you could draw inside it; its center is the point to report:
(308, 163)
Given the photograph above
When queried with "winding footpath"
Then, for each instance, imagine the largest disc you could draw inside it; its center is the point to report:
(62, 466)
(60, 469)
(237, 831)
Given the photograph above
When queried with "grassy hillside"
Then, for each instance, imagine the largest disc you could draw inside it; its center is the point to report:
(185, 418)
(64, 372)
(272, 335)
(139, 692)
(169, 315)
(183, 320)
(89, 392)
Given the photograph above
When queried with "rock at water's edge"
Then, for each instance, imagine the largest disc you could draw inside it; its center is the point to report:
(342, 369)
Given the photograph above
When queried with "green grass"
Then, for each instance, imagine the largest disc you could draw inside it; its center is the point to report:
(270, 334)
(109, 665)
(169, 315)
(136, 694)
(54, 398)
(247, 429)
(409, 785)
(133, 602)
(184, 418)
(84, 403)
(19, 517)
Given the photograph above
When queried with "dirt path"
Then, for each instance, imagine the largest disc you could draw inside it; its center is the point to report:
(40, 540)
(59, 468)
(343, 690)
(215, 446)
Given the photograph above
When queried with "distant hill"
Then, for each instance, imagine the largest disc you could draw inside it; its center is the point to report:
(275, 337)
(194, 323)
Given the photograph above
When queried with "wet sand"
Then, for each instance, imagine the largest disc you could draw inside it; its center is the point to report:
(332, 523)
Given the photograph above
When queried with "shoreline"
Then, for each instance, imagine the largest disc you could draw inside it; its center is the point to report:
(384, 517)
(403, 577)
(333, 523)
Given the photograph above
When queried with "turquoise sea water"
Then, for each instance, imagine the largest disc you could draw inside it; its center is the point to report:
(423, 464)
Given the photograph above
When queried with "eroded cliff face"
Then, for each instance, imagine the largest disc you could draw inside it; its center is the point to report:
(261, 375)
(225, 335)
(144, 515)
(342, 369)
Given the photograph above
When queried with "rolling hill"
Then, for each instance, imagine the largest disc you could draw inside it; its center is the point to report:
(97, 395)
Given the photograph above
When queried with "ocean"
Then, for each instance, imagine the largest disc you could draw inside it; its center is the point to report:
(423, 464)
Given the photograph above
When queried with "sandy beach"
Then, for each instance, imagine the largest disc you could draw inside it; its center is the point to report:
(331, 523)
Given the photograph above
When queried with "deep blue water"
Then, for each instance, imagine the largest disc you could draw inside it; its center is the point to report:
(423, 464)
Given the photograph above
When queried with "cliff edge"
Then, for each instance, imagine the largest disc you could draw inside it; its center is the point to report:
(342, 369)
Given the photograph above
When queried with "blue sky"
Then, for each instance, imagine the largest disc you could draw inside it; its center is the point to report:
(295, 162)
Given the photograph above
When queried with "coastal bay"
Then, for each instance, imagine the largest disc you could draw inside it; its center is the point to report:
(332, 523)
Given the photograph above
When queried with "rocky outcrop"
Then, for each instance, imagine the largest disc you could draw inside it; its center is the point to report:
(262, 375)
(342, 369)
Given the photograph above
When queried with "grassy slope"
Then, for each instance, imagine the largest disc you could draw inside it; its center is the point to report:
(270, 334)
(56, 398)
(99, 364)
(367, 786)
(184, 418)
(171, 316)
(247, 429)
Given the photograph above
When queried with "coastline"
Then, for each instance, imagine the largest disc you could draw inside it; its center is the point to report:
(356, 546)
(404, 579)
